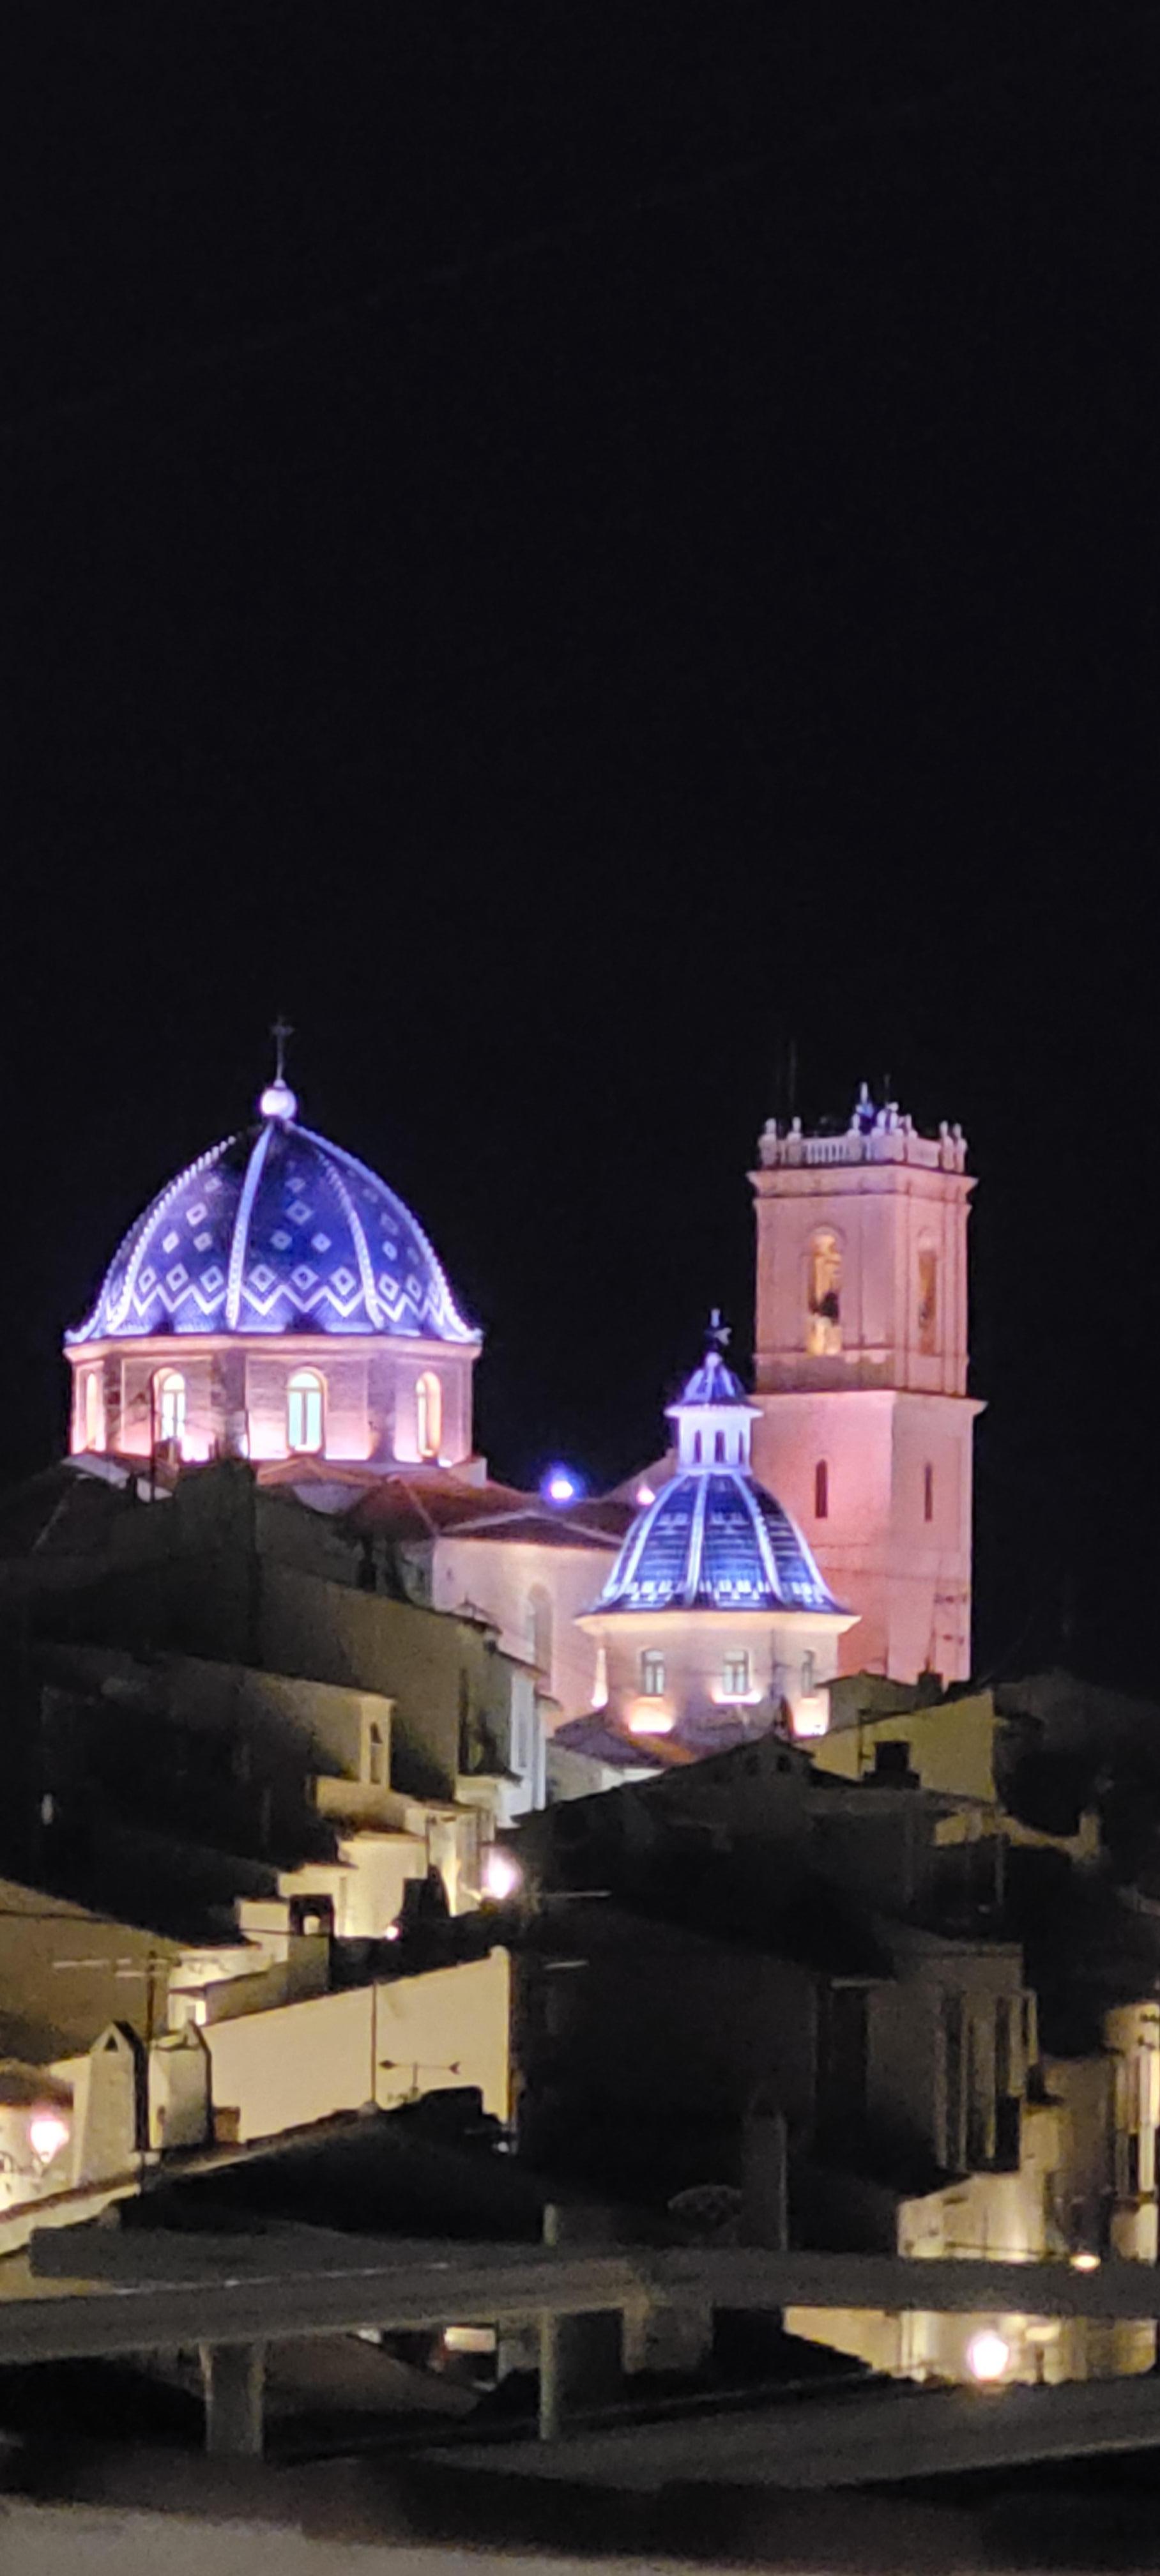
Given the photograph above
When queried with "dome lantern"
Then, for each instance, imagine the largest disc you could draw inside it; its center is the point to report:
(713, 1414)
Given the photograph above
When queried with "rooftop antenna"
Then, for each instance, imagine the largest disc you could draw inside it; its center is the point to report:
(791, 1081)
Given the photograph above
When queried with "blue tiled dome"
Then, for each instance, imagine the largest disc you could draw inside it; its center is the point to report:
(714, 1539)
(271, 1232)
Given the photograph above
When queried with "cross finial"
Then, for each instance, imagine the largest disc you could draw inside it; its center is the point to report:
(280, 1032)
(718, 1332)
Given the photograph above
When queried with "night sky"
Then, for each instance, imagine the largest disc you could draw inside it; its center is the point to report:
(563, 549)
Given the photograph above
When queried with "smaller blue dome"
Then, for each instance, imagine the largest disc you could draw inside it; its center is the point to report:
(714, 1539)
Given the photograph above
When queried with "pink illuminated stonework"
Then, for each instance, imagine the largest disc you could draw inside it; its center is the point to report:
(860, 1374)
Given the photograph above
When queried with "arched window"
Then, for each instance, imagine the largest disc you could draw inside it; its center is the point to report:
(824, 1320)
(821, 1491)
(304, 1412)
(376, 1756)
(652, 1673)
(540, 1628)
(428, 1415)
(719, 1447)
(92, 1409)
(928, 1492)
(170, 1405)
(698, 1446)
(927, 1299)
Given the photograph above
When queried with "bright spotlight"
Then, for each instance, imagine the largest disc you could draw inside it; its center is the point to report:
(47, 2134)
(988, 2355)
(562, 1485)
(501, 1874)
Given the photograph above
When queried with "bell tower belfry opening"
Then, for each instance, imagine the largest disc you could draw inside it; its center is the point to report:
(860, 1372)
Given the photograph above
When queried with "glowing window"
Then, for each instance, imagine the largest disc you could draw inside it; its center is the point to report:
(927, 1300)
(92, 1409)
(304, 1411)
(652, 1673)
(735, 1675)
(809, 1672)
(428, 1415)
(824, 1320)
(822, 1490)
(928, 1493)
(170, 1402)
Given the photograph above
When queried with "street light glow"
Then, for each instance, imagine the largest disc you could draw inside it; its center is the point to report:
(47, 2134)
(988, 2356)
(501, 1873)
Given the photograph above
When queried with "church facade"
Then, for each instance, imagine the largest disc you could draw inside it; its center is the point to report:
(278, 1302)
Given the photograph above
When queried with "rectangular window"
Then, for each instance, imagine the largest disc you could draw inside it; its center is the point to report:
(843, 2056)
(1129, 2162)
(952, 2032)
(1008, 2107)
(980, 2105)
(735, 1679)
(652, 1673)
(928, 1493)
(927, 1300)
(821, 1491)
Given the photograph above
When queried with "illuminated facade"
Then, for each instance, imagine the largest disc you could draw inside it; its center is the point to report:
(715, 1621)
(860, 1370)
(276, 1300)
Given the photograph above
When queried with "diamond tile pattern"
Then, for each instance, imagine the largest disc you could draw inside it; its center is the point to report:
(317, 1228)
(715, 1541)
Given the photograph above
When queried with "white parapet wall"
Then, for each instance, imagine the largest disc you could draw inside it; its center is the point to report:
(383, 2043)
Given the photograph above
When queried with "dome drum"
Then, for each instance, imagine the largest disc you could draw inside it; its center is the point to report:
(405, 1403)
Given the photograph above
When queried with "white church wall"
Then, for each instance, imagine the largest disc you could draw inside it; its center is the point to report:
(503, 1577)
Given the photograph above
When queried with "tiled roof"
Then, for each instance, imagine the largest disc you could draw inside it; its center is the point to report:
(410, 1509)
(715, 1540)
(601, 1738)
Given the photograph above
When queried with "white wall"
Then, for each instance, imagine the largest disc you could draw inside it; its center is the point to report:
(304, 2062)
(500, 1576)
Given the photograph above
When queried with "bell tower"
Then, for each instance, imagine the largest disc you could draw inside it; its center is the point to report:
(860, 1373)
